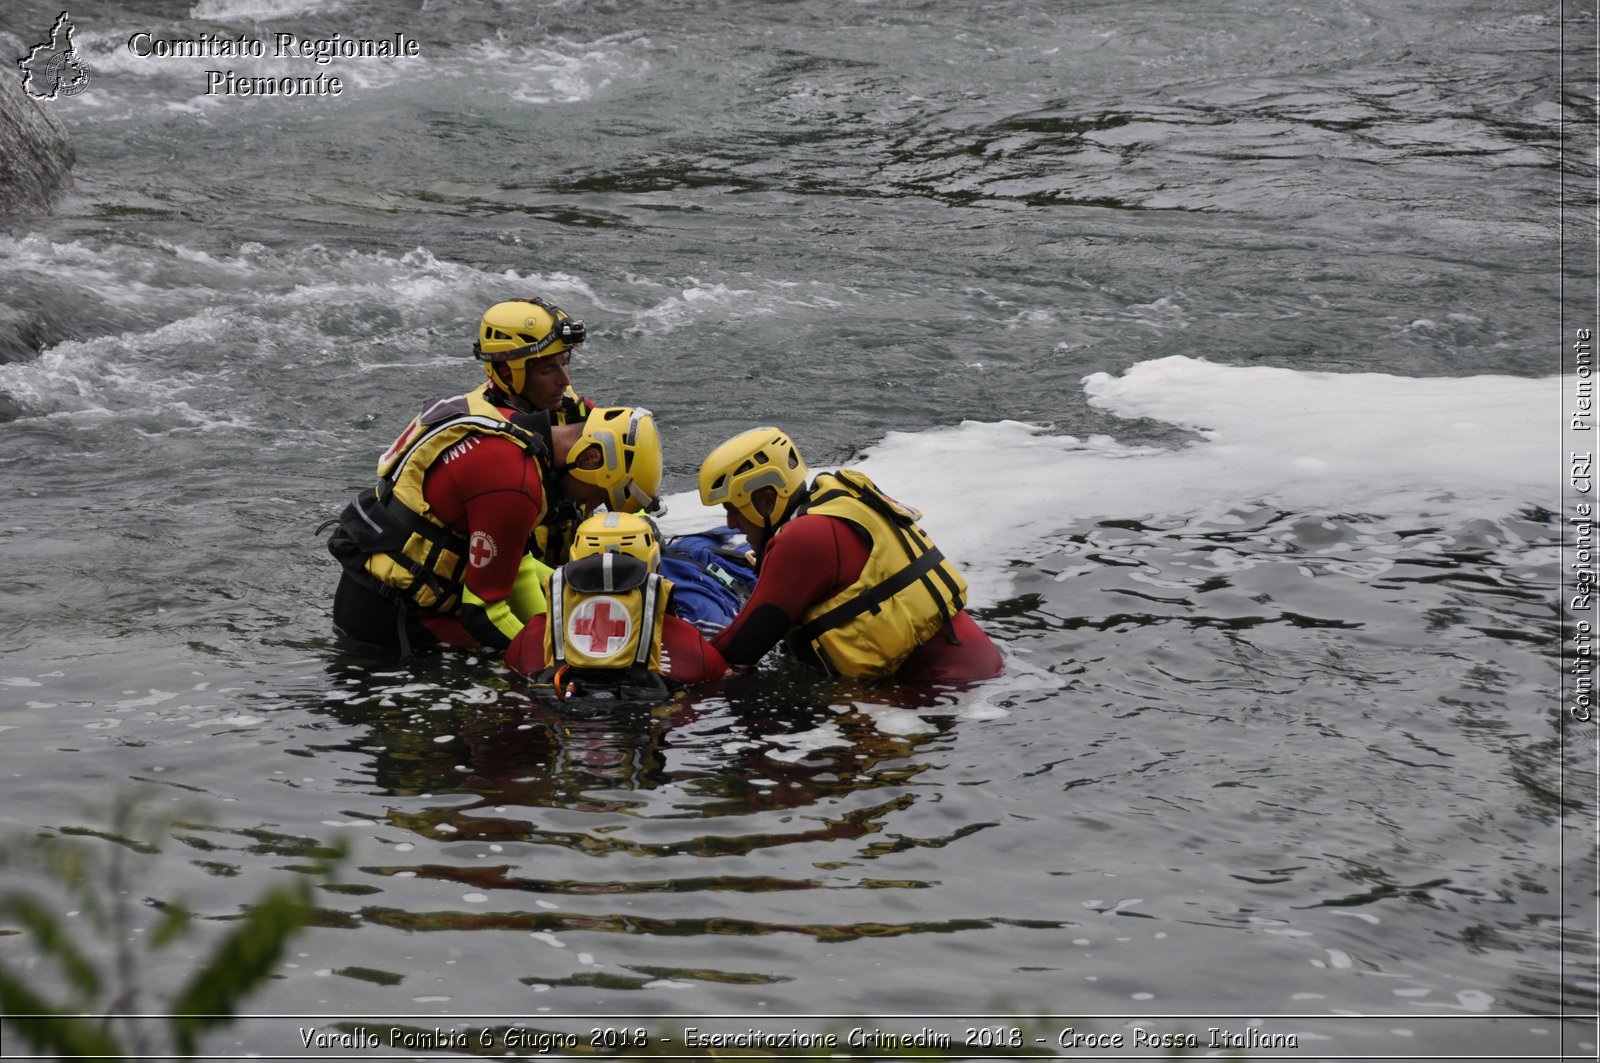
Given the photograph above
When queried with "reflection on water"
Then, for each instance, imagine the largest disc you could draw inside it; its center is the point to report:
(1309, 748)
(529, 814)
(1211, 690)
(754, 742)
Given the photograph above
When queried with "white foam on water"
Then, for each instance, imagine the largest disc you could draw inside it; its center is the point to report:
(163, 274)
(1368, 441)
(118, 274)
(235, 10)
(291, 299)
(1407, 449)
(560, 71)
(800, 745)
(691, 302)
(1397, 447)
(895, 721)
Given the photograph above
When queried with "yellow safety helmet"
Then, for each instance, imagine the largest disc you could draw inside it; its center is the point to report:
(515, 331)
(631, 448)
(621, 533)
(736, 470)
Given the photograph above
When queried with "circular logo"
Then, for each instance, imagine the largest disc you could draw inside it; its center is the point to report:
(600, 626)
(481, 550)
(66, 74)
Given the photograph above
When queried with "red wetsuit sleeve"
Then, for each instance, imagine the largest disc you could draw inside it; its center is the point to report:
(687, 657)
(488, 489)
(812, 558)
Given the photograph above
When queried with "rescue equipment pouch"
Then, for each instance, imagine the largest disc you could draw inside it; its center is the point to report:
(603, 632)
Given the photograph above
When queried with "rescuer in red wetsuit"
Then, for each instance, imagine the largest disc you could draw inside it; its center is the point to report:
(609, 621)
(845, 575)
(434, 552)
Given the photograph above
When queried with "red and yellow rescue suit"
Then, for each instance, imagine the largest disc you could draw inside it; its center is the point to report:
(856, 588)
(432, 554)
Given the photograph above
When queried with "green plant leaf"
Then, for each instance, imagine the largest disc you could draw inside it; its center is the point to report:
(243, 959)
(67, 1036)
(53, 940)
(174, 921)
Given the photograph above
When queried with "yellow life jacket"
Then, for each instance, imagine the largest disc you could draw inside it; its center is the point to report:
(389, 533)
(905, 594)
(607, 614)
(574, 408)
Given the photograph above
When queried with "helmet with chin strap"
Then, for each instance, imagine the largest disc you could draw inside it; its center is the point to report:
(517, 331)
(623, 533)
(750, 461)
(630, 450)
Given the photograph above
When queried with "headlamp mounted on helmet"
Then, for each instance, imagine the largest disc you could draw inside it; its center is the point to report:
(564, 330)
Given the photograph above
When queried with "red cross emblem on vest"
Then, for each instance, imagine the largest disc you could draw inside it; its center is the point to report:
(599, 626)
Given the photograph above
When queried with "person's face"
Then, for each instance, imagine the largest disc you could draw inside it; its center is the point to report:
(545, 380)
(742, 524)
(588, 497)
(754, 533)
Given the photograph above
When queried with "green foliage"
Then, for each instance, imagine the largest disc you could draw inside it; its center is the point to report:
(52, 1031)
(101, 982)
(242, 960)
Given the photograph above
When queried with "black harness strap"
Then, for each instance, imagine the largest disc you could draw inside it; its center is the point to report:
(870, 599)
(440, 538)
(828, 496)
(925, 566)
(918, 549)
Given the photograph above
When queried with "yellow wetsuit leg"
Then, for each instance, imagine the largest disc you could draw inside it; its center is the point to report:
(527, 594)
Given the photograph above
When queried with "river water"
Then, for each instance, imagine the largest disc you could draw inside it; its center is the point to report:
(1221, 343)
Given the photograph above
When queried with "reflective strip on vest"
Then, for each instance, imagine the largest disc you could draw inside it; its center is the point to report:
(642, 608)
